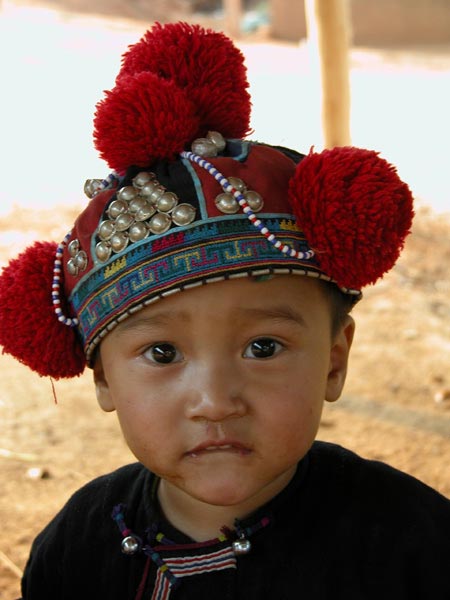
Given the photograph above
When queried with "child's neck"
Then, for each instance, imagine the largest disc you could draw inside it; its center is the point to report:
(196, 519)
(202, 521)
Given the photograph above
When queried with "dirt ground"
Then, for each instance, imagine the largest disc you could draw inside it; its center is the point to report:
(396, 406)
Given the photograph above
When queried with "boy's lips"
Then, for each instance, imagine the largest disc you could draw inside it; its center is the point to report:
(227, 446)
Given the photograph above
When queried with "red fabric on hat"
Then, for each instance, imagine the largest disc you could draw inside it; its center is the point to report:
(355, 213)
(265, 170)
(29, 328)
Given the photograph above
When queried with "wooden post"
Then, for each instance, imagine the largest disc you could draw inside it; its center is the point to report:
(233, 14)
(328, 25)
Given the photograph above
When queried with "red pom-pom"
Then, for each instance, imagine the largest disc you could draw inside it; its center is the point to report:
(355, 213)
(29, 328)
(204, 63)
(142, 119)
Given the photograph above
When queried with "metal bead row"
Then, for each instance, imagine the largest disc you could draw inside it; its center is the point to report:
(56, 285)
(138, 210)
(227, 187)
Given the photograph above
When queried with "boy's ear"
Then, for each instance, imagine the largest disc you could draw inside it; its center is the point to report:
(339, 354)
(101, 386)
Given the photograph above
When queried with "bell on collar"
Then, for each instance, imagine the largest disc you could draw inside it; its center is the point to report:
(131, 544)
(241, 546)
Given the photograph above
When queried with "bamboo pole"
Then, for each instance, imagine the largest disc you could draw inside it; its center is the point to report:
(233, 14)
(328, 24)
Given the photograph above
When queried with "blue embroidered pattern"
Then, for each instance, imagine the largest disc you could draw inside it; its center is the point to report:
(154, 266)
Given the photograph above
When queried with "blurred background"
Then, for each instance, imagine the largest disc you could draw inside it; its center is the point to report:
(58, 56)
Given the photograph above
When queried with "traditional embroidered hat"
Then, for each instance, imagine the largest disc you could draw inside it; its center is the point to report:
(191, 201)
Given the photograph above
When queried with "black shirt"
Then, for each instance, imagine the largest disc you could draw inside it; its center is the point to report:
(344, 528)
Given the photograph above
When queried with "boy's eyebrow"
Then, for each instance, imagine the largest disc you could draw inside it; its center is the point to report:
(144, 322)
(275, 313)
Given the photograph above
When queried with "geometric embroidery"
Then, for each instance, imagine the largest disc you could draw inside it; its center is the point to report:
(186, 255)
(192, 565)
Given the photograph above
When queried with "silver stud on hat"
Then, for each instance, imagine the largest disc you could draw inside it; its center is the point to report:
(210, 146)
(226, 203)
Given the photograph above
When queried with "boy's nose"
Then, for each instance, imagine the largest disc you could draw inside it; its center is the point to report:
(216, 394)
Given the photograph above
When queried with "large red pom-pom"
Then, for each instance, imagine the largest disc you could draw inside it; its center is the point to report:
(29, 328)
(355, 212)
(142, 119)
(204, 63)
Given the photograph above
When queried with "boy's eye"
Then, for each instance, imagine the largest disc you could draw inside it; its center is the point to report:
(262, 348)
(163, 353)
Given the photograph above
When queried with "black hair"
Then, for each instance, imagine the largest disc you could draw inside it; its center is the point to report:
(340, 303)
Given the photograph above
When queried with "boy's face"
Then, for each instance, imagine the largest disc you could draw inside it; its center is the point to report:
(219, 389)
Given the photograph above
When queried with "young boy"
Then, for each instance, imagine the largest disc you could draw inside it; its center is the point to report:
(208, 284)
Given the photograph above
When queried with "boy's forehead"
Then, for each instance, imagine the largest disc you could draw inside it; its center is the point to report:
(284, 297)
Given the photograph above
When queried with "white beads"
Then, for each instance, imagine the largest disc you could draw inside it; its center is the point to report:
(56, 283)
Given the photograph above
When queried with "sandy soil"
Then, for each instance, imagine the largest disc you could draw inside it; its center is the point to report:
(396, 407)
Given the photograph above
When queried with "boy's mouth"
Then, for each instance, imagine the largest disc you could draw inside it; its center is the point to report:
(215, 447)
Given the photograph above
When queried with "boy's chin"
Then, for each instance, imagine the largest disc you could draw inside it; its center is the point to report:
(239, 490)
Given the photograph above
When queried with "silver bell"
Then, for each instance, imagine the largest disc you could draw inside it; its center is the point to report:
(130, 545)
(241, 546)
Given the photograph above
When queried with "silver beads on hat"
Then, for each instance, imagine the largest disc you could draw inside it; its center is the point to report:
(92, 186)
(138, 231)
(160, 223)
(78, 260)
(138, 210)
(254, 200)
(183, 214)
(103, 251)
(227, 203)
(209, 146)
(166, 202)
